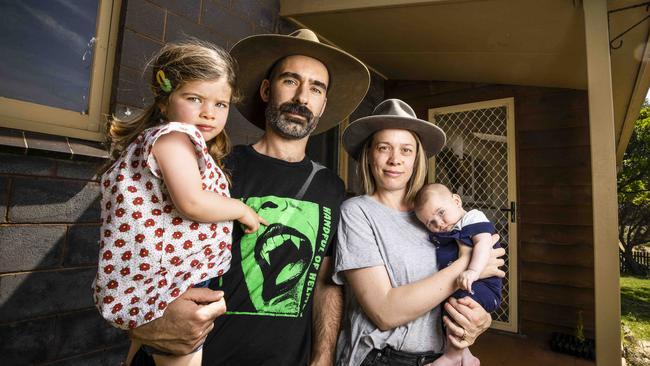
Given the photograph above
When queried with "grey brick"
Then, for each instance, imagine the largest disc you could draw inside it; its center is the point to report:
(26, 164)
(264, 17)
(179, 28)
(83, 332)
(187, 8)
(285, 26)
(137, 50)
(4, 195)
(27, 343)
(46, 200)
(146, 18)
(29, 247)
(78, 169)
(82, 245)
(226, 22)
(27, 296)
(108, 357)
(133, 87)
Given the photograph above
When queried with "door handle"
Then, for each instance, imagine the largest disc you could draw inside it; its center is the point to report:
(512, 210)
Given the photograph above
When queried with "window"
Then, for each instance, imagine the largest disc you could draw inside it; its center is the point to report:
(57, 64)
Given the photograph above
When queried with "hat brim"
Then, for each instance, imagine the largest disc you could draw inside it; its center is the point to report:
(348, 83)
(432, 137)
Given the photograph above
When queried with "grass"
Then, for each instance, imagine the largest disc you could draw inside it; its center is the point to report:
(635, 306)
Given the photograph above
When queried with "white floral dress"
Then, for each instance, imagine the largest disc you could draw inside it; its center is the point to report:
(149, 253)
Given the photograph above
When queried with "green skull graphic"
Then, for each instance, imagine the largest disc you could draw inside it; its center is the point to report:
(276, 259)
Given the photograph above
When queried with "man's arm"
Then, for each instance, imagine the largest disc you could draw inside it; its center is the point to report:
(327, 313)
(185, 323)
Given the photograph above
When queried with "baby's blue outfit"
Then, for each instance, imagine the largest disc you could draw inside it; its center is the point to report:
(487, 292)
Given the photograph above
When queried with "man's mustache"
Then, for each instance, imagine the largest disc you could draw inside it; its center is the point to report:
(297, 109)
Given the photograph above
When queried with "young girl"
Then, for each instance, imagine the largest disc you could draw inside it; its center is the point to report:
(166, 208)
(443, 215)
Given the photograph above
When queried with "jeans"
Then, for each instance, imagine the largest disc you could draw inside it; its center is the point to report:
(391, 357)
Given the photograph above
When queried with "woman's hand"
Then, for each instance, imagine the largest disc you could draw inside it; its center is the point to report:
(468, 321)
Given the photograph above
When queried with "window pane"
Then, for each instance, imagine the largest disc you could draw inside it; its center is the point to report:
(46, 48)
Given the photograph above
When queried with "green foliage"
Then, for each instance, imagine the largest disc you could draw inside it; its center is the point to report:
(634, 176)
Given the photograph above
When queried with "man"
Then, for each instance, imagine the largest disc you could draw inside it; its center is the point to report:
(279, 281)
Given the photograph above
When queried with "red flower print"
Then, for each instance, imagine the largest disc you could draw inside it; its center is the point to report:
(117, 307)
(222, 185)
(176, 292)
(226, 230)
(213, 227)
(135, 163)
(169, 248)
(152, 300)
(126, 255)
(222, 245)
(203, 186)
(137, 151)
(202, 236)
(125, 227)
(207, 251)
(187, 244)
(109, 204)
(134, 299)
(129, 290)
(138, 277)
(177, 220)
(162, 283)
(119, 321)
(156, 212)
(148, 281)
(101, 244)
(220, 272)
(211, 175)
(132, 324)
(204, 275)
(211, 265)
(159, 246)
(120, 177)
(148, 185)
(194, 262)
(198, 135)
(107, 183)
(194, 225)
(149, 223)
(148, 316)
(175, 261)
(109, 219)
(108, 299)
(162, 305)
(119, 243)
(144, 266)
(150, 289)
(136, 177)
(134, 312)
(120, 212)
(138, 201)
(187, 276)
(144, 252)
(119, 198)
(229, 246)
(125, 271)
(107, 233)
(114, 189)
(112, 284)
(122, 165)
(167, 208)
(177, 235)
(159, 232)
(107, 255)
(144, 164)
(132, 189)
(109, 269)
(154, 199)
(137, 215)
(209, 165)
(139, 238)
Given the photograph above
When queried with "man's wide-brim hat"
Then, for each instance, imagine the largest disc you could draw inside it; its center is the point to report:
(392, 114)
(348, 77)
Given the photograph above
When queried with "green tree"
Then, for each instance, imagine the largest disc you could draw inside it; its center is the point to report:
(634, 191)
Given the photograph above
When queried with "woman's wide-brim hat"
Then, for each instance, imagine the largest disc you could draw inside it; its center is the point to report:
(392, 114)
(349, 78)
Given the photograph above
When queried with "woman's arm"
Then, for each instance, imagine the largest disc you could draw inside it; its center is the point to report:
(176, 159)
(389, 307)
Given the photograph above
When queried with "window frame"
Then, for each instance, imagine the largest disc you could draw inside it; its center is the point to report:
(36, 117)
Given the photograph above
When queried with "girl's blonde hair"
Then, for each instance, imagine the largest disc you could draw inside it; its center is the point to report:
(190, 60)
(417, 180)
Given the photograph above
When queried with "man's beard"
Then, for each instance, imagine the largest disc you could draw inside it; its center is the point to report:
(287, 127)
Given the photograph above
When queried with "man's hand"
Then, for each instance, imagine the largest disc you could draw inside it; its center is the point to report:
(185, 323)
(469, 321)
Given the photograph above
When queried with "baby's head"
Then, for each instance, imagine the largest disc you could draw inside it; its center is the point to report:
(438, 208)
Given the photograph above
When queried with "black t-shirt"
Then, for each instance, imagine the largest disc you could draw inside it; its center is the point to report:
(269, 287)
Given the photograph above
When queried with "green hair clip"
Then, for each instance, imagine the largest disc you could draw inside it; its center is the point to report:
(164, 83)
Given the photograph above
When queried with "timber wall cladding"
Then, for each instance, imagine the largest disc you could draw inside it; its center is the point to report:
(554, 189)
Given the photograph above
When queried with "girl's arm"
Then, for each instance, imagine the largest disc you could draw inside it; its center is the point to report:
(389, 307)
(176, 158)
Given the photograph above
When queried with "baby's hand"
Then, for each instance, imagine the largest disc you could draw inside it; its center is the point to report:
(251, 220)
(466, 279)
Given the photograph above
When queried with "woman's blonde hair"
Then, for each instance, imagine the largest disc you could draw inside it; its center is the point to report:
(417, 180)
(182, 62)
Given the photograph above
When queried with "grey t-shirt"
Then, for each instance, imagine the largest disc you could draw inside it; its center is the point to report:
(371, 234)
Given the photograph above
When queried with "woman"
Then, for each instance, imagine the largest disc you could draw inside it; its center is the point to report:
(384, 256)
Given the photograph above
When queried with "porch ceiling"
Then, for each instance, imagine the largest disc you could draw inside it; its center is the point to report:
(520, 42)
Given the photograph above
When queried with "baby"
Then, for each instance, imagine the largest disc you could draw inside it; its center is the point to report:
(442, 213)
